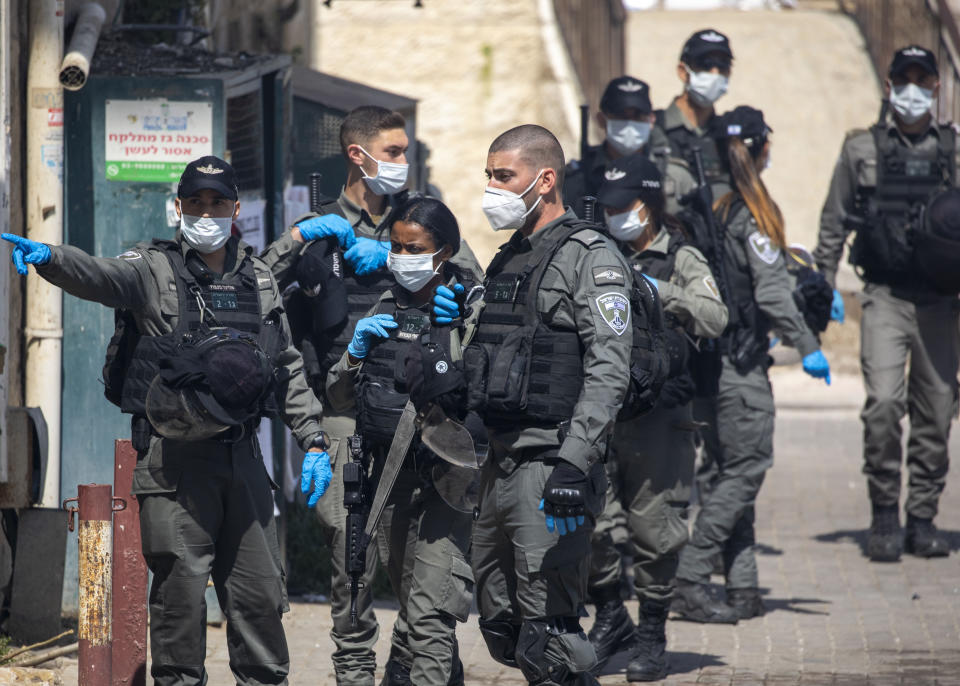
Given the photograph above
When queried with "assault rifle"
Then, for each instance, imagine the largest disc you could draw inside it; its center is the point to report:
(703, 199)
(355, 500)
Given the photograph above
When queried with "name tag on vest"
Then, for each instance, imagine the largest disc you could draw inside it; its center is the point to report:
(223, 297)
(411, 325)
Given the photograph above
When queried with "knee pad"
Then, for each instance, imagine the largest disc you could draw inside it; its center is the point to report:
(532, 657)
(501, 638)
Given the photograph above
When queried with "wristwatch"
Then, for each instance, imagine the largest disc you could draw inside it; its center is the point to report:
(321, 440)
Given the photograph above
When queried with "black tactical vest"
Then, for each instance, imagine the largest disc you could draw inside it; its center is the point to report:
(381, 393)
(535, 372)
(683, 140)
(232, 301)
(891, 211)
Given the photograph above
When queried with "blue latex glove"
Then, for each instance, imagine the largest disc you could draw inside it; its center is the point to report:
(563, 525)
(328, 225)
(445, 308)
(367, 255)
(836, 307)
(27, 252)
(816, 365)
(368, 329)
(653, 282)
(316, 469)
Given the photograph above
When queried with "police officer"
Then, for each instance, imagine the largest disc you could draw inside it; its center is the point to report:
(654, 453)
(374, 144)
(704, 69)
(556, 331)
(883, 177)
(738, 437)
(626, 116)
(206, 506)
(423, 538)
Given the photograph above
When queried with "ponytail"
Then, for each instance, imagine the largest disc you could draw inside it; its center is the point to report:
(747, 182)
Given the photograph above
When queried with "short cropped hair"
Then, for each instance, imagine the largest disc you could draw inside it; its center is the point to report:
(538, 148)
(363, 124)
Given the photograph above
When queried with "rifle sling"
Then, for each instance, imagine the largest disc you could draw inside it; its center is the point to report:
(402, 439)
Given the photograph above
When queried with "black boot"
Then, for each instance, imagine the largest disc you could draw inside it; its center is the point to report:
(395, 674)
(923, 539)
(693, 602)
(613, 630)
(885, 542)
(649, 660)
(746, 601)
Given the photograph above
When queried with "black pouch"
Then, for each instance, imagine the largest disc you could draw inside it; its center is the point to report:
(509, 372)
(475, 366)
(378, 411)
(705, 365)
(140, 434)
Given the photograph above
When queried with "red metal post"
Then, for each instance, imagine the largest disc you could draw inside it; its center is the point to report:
(129, 577)
(94, 540)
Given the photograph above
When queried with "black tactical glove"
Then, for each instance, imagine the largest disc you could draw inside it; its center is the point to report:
(564, 498)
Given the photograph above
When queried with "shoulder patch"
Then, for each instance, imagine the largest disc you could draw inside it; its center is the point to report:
(711, 285)
(604, 276)
(130, 255)
(589, 238)
(615, 310)
(763, 247)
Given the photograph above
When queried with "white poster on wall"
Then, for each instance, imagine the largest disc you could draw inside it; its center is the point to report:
(152, 140)
(251, 222)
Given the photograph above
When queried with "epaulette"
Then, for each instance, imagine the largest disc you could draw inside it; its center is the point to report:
(590, 238)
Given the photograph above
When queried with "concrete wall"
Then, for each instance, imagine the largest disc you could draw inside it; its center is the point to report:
(478, 67)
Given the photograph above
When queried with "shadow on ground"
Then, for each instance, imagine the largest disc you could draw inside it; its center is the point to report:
(679, 663)
(859, 536)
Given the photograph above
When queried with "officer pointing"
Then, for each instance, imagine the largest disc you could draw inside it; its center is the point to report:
(556, 332)
(210, 357)
(882, 180)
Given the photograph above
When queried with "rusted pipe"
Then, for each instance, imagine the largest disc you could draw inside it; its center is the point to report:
(129, 577)
(95, 506)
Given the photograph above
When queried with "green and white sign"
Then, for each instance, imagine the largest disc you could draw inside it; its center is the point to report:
(152, 140)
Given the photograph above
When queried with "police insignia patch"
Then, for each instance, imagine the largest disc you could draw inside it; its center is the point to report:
(130, 255)
(604, 276)
(763, 247)
(615, 310)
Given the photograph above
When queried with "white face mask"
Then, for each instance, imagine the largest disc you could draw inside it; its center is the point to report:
(911, 102)
(627, 136)
(391, 177)
(506, 210)
(205, 234)
(626, 226)
(705, 87)
(412, 272)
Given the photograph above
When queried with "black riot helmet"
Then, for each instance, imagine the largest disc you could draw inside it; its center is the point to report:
(218, 379)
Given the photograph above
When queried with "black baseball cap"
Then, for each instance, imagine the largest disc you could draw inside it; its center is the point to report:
(743, 122)
(625, 92)
(208, 172)
(704, 42)
(627, 179)
(913, 54)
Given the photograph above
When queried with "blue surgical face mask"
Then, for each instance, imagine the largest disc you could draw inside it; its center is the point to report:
(205, 234)
(412, 272)
(626, 135)
(911, 102)
(705, 87)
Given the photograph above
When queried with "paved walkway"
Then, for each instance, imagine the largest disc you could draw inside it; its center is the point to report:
(834, 618)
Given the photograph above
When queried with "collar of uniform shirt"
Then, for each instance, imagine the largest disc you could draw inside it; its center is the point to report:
(916, 138)
(359, 218)
(660, 244)
(537, 236)
(230, 262)
(673, 119)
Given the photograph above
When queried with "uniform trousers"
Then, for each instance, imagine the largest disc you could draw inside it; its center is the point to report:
(653, 458)
(208, 511)
(738, 451)
(908, 354)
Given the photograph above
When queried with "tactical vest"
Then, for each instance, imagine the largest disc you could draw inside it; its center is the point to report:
(683, 140)
(890, 213)
(381, 393)
(535, 372)
(322, 350)
(745, 339)
(679, 387)
(231, 301)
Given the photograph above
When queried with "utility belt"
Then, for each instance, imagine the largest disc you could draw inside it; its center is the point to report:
(141, 431)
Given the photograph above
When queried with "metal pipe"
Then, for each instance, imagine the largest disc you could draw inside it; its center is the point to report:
(44, 321)
(129, 658)
(83, 43)
(95, 544)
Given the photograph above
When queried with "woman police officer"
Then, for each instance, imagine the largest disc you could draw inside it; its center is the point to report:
(423, 539)
(653, 455)
(738, 437)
